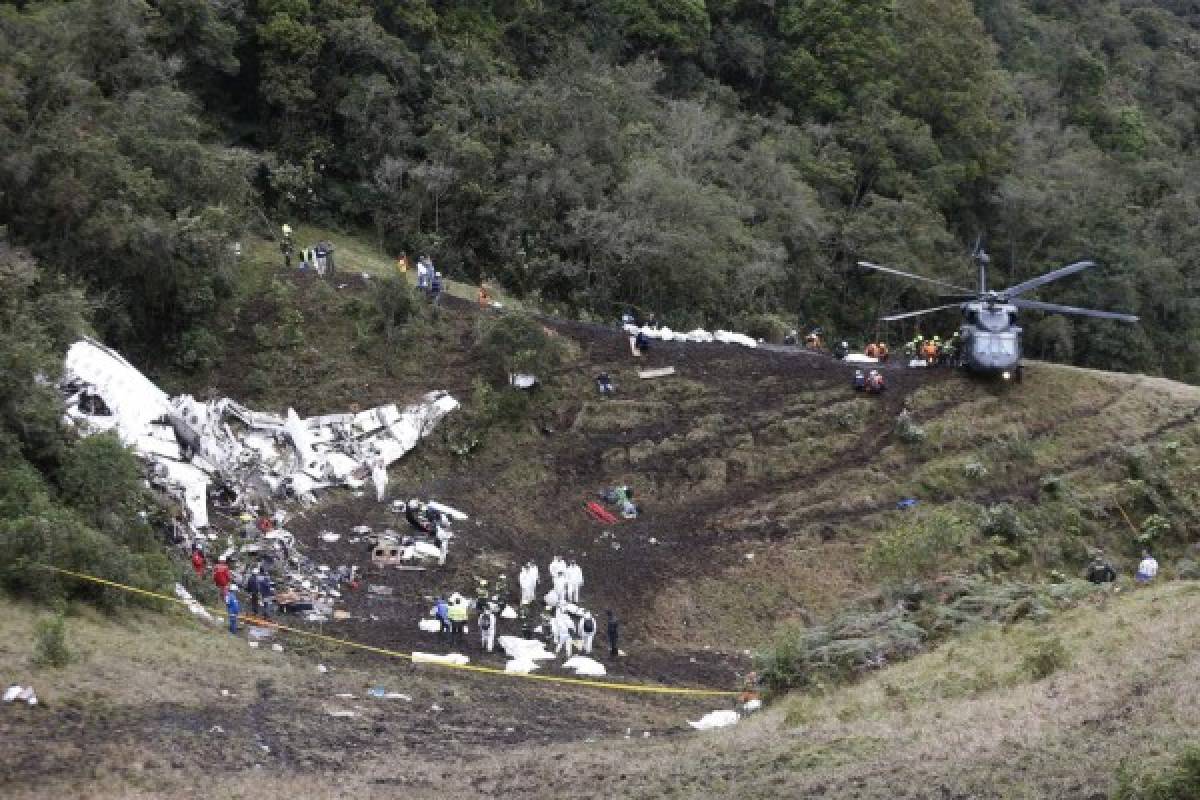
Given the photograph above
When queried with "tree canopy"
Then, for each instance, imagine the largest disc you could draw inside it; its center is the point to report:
(706, 160)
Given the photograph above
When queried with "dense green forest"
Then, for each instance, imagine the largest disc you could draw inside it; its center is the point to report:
(708, 160)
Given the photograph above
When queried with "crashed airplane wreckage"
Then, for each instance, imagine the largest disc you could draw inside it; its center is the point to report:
(247, 457)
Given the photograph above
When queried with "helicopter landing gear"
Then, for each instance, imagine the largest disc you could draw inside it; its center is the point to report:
(1019, 373)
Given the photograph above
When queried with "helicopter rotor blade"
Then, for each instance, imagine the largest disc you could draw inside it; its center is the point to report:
(902, 274)
(906, 315)
(1042, 280)
(1037, 305)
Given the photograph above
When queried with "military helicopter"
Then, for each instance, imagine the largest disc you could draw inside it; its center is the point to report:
(991, 339)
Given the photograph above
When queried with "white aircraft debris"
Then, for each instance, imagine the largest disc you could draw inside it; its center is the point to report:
(699, 335)
(715, 719)
(195, 445)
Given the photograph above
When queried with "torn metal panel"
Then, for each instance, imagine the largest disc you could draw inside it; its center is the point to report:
(252, 455)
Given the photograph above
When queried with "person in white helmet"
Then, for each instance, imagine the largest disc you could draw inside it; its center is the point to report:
(574, 581)
(379, 477)
(1147, 568)
(587, 631)
(487, 629)
(563, 629)
(560, 587)
(528, 582)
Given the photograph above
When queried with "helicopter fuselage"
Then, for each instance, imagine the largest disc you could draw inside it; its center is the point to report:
(991, 341)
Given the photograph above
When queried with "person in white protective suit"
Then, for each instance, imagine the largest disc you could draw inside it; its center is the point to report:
(487, 629)
(443, 538)
(557, 566)
(587, 631)
(560, 588)
(528, 582)
(379, 477)
(563, 628)
(574, 581)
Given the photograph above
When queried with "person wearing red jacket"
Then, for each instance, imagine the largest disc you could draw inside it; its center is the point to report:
(222, 578)
(198, 562)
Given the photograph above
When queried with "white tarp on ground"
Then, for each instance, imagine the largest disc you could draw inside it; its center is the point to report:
(715, 719)
(698, 335)
(585, 666)
(520, 649)
(453, 659)
(859, 358)
(255, 454)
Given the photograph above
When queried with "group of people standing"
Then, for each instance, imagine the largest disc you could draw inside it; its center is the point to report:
(933, 350)
(567, 581)
(429, 280)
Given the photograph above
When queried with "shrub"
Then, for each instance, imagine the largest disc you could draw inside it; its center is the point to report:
(919, 547)
(768, 327)
(100, 475)
(1153, 527)
(974, 470)
(1179, 781)
(908, 430)
(1045, 657)
(1003, 521)
(50, 641)
(396, 304)
(516, 343)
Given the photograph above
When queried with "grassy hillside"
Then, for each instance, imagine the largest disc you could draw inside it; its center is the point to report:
(1035, 709)
(934, 647)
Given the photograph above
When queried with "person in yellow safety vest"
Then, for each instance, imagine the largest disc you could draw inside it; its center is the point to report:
(402, 264)
(458, 621)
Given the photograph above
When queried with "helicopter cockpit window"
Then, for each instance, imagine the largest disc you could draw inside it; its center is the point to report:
(993, 320)
(1004, 346)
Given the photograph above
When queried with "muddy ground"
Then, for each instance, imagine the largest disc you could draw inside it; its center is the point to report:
(692, 537)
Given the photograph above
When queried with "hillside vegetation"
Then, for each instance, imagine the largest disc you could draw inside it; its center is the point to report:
(710, 161)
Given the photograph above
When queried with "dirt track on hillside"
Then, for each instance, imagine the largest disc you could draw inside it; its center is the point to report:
(692, 538)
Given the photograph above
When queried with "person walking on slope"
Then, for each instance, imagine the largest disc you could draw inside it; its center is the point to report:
(1147, 568)
(1100, 571)
(574, 581)
(458, 621)
(613, 634)
(487, 629)
(198, 564)
(222, 577)
(587, 631)
(442, 611)
(527, 580)
(233, 607)
(564, 629)
(560, 588)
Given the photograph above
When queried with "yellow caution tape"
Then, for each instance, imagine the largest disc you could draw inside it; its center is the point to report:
(624, 687)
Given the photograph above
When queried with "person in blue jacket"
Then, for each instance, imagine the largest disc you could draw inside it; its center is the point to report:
(233, 607)
(442, 610)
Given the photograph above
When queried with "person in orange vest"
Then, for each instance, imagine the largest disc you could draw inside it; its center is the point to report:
(929, 351)
(485, 299)
(872, 351)
(881, 351)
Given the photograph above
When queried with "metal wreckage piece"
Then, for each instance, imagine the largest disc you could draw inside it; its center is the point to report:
(199, 448)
